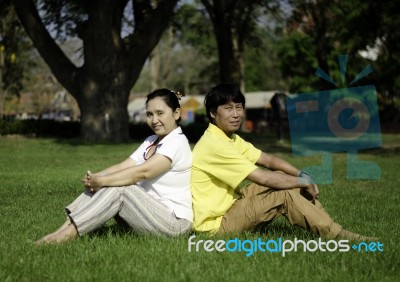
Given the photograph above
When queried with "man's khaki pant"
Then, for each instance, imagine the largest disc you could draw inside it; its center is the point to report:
(260, 205)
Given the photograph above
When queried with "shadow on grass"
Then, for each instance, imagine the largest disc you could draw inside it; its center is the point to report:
(278, 228)
(385, 150)
(264, 141)
(112, 229)
(268, 142)
(81, 142)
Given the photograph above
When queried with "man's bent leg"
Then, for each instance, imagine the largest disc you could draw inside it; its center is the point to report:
(248, 212)
(260, 205)
(301, 212)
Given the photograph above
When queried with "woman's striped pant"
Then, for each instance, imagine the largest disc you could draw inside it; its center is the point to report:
(143, 213)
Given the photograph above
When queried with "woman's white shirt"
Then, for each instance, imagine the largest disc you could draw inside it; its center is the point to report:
(173, 186)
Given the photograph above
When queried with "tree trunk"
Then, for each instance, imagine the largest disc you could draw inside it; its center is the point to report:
(105, 118)
(318, 13)
(154, 63)
(221, 14)
(2, 94)
(229, 69)
(230, 48)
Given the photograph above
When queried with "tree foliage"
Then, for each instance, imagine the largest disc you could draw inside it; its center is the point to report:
(318, 31)
(262, 62)
(15, 47)
(194, 33)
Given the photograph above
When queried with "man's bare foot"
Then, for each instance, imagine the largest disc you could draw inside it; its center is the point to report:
(67, 234)
(345, 234)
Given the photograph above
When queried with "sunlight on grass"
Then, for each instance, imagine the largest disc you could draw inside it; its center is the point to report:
(39, 177)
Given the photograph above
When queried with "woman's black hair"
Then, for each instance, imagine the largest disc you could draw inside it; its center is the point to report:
(170, 97)
(222, 94)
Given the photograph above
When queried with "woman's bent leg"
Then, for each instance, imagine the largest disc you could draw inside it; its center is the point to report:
(78, 202)
(147, 215)
(104, 205)
(143, 213)
(81, 200)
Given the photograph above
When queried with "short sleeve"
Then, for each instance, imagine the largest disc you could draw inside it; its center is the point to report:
(137, 155)
(228, 164)
(170, 149)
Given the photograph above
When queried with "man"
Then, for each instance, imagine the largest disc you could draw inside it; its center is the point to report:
(222, 160)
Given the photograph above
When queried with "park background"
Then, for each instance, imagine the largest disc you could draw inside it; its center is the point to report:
(70, 69)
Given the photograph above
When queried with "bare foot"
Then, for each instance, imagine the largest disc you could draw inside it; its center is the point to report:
(65, 224)
(67, 234)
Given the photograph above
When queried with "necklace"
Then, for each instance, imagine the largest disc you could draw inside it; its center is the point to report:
(151, 149)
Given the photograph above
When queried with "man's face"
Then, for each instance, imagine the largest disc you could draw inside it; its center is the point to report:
(228, 117)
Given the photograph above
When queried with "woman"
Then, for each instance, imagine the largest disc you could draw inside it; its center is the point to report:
(149, 190)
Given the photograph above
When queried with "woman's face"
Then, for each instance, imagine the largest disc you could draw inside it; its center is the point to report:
(160, 117)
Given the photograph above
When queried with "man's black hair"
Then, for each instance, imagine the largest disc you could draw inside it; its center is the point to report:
(222, 94)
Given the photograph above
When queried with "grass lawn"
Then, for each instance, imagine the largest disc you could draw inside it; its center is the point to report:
(39, 177)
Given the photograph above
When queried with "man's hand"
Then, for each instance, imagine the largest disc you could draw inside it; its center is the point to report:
(91, 182)
(306, 175)
(311, 193)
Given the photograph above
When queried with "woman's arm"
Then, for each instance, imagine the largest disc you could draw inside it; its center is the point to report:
(117, 167)
(151, 168)
(112, 169)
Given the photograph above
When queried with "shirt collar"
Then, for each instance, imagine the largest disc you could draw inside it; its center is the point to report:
(215, 130)
(174, 132)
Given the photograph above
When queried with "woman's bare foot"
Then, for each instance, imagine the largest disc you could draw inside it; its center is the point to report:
(65, 224)
(67, 234)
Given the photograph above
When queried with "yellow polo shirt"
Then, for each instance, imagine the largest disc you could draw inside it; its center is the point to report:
(219, 165)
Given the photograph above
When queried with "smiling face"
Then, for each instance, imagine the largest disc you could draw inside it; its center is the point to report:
(228, 117)
(160, 117)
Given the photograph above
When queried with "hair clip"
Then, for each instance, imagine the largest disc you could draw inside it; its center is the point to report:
(178, 94)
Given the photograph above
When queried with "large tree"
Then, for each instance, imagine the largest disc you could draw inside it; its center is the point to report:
(112, 57)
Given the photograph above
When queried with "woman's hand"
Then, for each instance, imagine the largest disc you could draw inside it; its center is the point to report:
(92, 182)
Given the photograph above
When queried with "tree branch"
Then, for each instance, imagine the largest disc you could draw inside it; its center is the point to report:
(148, 28)
(62, 68)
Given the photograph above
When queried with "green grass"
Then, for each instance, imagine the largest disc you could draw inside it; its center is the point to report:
(39, 177)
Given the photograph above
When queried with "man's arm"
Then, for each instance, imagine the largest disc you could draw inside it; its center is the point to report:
(281, 181)
(277, 180)
(276, 164)
(283, 176)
